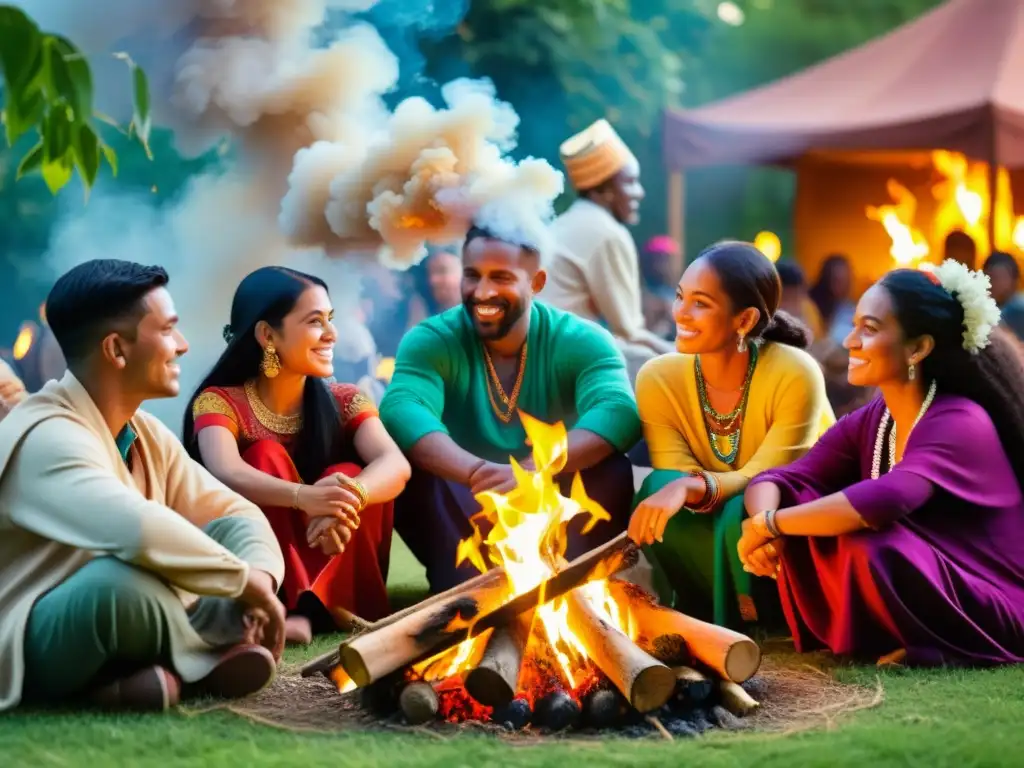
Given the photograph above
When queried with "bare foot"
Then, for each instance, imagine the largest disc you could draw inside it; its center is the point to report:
(298, 630)
(894, 659)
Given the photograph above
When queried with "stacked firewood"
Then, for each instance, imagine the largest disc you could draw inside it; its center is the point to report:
(674, 660)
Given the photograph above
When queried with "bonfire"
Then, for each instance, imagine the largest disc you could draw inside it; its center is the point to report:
(536, 639)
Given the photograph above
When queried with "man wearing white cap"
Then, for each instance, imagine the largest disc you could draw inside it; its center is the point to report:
(595, 271)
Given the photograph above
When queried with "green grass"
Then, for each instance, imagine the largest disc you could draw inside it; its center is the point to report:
(929, 719)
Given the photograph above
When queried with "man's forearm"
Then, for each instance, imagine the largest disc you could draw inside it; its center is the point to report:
(586, 449)
(439, 455)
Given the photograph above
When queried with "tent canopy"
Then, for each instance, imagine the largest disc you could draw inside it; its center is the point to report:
(951, 79)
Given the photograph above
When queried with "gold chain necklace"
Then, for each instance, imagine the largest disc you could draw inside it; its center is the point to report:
(281, 425)
(508, 400)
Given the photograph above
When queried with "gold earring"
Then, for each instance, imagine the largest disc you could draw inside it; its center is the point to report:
(741, 345)
(912, 372)
(271, 364)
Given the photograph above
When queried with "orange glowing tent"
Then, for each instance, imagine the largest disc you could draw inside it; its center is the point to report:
(950, 79)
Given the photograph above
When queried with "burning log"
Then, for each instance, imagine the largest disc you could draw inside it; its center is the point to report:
(440, 625)
(323, 664)
(732, 655)
(645, 682)
(735, 699)
(419, 702)
(375, 654)
(493, 681)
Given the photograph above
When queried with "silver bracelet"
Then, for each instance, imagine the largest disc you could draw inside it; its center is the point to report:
(770, 524)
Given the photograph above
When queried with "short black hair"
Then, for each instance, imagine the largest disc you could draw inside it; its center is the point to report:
(482, 233)
(790, 274)
(960, 239)
(91, 300)
(1003, 259)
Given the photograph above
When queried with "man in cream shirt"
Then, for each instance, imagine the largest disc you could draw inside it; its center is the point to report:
(594, 271)
(128, 574)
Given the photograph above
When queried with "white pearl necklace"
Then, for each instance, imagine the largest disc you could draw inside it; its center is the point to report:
(876, 459)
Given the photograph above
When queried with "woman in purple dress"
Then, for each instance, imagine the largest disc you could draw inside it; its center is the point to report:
(900, 534)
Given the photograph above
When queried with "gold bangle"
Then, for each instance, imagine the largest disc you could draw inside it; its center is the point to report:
(295, 498)
(357, 488)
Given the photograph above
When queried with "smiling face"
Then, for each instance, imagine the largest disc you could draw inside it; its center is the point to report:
(705, 318)
(305, 340)
(498, 283)
(880, 354)
(149, 356)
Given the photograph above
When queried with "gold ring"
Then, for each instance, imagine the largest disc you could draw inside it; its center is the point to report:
(771, 548)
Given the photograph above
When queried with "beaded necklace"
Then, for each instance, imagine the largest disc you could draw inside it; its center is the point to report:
(876, 458)
(725, 427)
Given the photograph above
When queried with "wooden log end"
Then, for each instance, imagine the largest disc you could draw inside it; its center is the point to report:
(742, 661)
(419, 703)
(652, 688)
(736, 700)
(489, 687)
(353, 663)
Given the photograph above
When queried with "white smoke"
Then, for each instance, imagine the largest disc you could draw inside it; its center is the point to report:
(325, 169)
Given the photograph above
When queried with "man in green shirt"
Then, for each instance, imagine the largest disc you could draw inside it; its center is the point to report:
(461, 376)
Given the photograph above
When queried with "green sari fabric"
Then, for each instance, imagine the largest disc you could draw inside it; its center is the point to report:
(697, 568)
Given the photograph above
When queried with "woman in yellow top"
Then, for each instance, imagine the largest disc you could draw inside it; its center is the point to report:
(741, 397)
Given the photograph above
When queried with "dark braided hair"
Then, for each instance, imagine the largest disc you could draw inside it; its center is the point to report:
(749, 279)
(993, 378)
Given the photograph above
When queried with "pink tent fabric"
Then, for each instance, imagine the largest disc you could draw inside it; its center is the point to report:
(951, 79)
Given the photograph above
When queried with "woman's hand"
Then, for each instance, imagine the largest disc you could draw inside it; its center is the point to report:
(329, 499)
(759, 552)
(651, 516)
(319, 535)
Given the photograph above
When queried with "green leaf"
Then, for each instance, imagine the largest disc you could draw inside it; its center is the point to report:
(57, 173)
(111, 157)
(86, 147)
(23, 110)
(140, 118)
(32, 161)
(68, 75)
(56, 135)
(20, 48)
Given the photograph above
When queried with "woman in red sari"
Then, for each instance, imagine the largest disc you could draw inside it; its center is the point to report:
(270, 424)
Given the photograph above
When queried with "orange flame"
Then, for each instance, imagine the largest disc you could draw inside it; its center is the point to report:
(527, 538)
(431, 217)
(22, 344)
(963, 202)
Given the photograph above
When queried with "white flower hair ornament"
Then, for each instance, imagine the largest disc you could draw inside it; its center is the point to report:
(971, 289)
